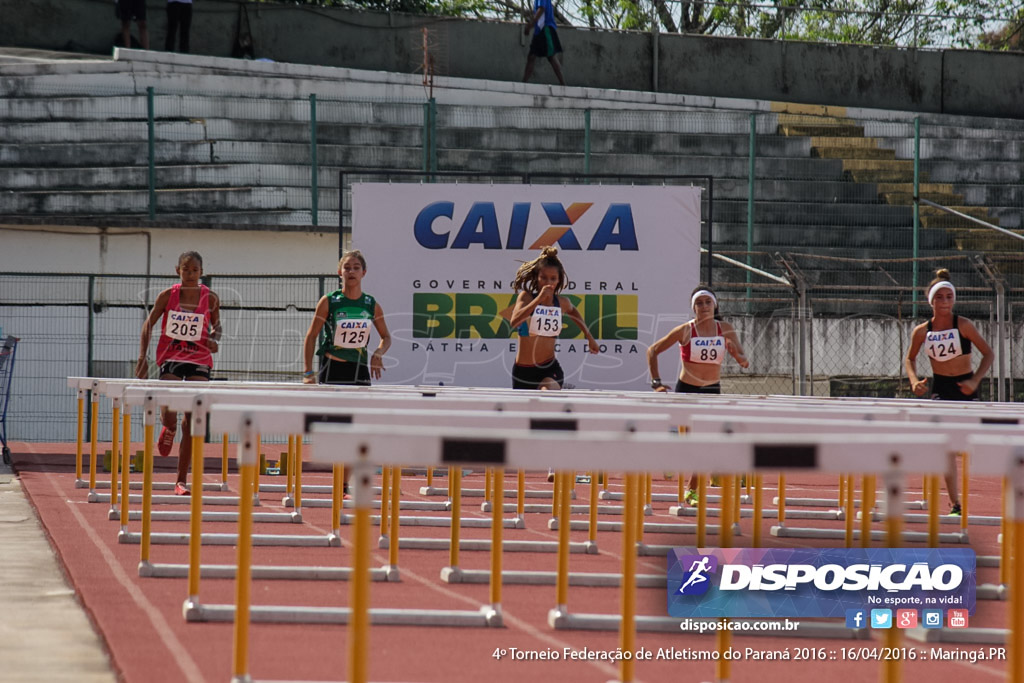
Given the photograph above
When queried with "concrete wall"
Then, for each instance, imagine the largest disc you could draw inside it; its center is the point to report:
(70, 249)
(951, 81)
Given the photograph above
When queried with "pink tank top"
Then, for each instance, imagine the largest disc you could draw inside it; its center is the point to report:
(185, 342)
(684, 349)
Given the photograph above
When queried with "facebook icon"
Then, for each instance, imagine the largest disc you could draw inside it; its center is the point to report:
(856, 618)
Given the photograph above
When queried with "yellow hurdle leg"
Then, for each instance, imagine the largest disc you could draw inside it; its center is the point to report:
(521, 497)
(758, 509)
(867, 507)
(115, 460)
(965, 490)
(562, 587)
(496, 539)
(196, 517)
(94, 419)
(1006, 527)
(147, 478)
(430, 476)
(290, 460)
(850, 510)
(455, 494)
(396, 496)
(782, 499)
(224, 462)
(385, 495)
(1016, 638)
(298, 474)
(641, 501)
(892, 669)
(592, 520)
(933, 511)
(337, 491)
(126, 446)
(627, 624)
(243, 573)
(724, 637)
(359, 621)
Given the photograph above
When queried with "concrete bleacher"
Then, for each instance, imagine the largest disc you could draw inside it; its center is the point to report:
(232, 147)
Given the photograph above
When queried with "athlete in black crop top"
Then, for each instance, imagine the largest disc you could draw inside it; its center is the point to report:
(947, 340)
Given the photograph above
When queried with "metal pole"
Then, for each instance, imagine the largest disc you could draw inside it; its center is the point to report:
(433, 138)
(654, 48)
(341, 222)
(315, 169)
(150, 116)
(1001, 338)
(752, 156)
(711, 229)
(802, 317)
(586, 145)
(91, 327)
(917, 212)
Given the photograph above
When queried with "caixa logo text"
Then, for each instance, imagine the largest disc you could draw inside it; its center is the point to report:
(436, 223)
(830, 577)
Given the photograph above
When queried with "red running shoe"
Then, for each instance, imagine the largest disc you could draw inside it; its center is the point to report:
(166, 441)
(180, 490)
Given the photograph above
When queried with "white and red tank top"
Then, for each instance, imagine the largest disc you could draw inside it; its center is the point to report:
(710, 350)
(183, 334)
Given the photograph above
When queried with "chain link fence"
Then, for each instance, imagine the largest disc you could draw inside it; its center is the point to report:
(815, 336)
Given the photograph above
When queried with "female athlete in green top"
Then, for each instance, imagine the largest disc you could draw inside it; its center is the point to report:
(342, 322)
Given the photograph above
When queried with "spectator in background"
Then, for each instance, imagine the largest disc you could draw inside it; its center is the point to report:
(545, 41)
(179, 15)
(128, 10)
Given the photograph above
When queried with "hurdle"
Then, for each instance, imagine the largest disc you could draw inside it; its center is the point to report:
(896, 455)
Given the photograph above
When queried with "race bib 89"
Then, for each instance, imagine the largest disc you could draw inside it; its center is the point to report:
(710, 350)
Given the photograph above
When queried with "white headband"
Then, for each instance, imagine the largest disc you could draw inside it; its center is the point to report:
(944, 284)
(702, 292)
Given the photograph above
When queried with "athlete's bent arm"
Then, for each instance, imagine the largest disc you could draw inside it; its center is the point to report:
(574, 315)
(919, 386)
(987, 356)
(159, 306)
(676, 336)
(376, 360)
(309, 344)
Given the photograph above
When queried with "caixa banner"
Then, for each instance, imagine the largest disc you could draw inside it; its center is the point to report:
(441, 259)
(826, 582)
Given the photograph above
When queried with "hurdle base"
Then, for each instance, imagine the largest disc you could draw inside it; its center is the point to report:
(782, 531)
(485, 506)
(518, 522)
(113, 515)
(992, 591)
(383, 543)
(558, 617)
(988, 561)
(391, 573)
(590, 547)
(288, 502)
(334, 538)
(94, 497)
(224, 486)
(246, 678)
(296, 517)
(145, 568)
(648, 510)
(81, 484)
(451, 575)
(190, 607)
(492, 616)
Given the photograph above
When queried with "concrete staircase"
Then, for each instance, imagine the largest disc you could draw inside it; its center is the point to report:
(868, 160)
(232, 146)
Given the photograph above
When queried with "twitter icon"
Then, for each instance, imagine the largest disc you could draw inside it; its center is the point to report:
(881, 618)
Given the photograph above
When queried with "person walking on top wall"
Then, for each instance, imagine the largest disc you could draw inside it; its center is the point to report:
(545, 41)
(179, 17)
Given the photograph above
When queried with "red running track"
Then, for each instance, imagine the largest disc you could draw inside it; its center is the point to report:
(140, 619)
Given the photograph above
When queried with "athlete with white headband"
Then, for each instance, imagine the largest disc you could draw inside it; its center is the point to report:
(947, 340)
(703, 343)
